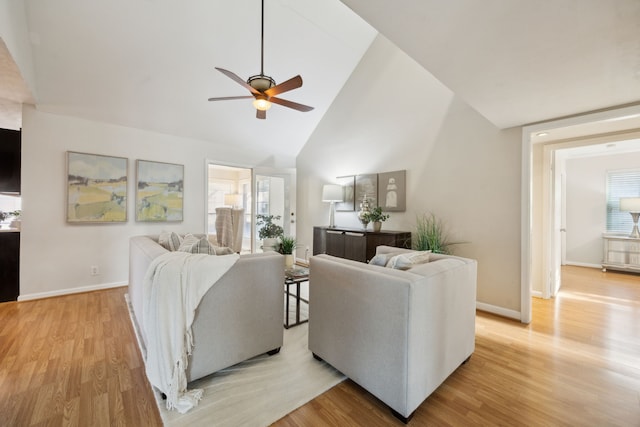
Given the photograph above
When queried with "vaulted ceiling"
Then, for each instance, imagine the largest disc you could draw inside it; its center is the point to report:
(149, 64)
(520, 61)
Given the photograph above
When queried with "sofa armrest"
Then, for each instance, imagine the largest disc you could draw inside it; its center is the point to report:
(142, 250)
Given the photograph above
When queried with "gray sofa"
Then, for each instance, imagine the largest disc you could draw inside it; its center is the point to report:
(399, 334)
(239, 318)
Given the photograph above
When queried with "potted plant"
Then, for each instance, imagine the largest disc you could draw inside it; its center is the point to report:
(431, 235)
(377, 217)
(269, 232)
(286, 247)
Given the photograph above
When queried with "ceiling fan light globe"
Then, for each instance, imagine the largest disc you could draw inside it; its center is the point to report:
(262, 104)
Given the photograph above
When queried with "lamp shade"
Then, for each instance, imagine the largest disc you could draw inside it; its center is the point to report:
(232, 199)
(630, 204)
(332, 193)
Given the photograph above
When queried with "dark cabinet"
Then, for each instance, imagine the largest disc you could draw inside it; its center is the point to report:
(10, 158)
(358, 245)
(334, 243)
(9, 266)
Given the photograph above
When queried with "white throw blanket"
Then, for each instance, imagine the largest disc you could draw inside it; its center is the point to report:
(173, 287)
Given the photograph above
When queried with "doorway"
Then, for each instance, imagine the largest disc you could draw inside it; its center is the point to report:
(235, 195)
(229, 206)
(534, 237)
(276, 195)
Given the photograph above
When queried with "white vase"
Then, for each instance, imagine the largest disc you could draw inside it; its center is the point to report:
(377, 225)
(288, 260)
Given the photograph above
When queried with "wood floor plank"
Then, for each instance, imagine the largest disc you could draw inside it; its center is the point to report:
(70, 359)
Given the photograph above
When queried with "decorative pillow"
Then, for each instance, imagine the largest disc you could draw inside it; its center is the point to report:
(202, 246)
(383, 259)
(221, 250)
(407, 260)
(188, 241)
(170, 240)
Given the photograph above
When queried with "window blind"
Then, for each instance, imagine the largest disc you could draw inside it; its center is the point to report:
(620, 184)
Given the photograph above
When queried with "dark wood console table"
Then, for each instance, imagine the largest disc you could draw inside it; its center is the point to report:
(356, 244)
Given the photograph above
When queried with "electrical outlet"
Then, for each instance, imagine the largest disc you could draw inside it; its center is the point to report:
(95, 270)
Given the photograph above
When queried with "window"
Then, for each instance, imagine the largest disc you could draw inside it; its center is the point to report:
(620, 184)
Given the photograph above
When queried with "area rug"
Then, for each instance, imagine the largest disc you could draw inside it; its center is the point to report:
(259, 391)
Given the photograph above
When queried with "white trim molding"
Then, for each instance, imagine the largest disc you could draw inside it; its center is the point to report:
(500, 311)
(79, 290)
(583, 264)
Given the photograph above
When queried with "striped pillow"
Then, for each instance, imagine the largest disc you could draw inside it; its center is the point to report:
(170, 240)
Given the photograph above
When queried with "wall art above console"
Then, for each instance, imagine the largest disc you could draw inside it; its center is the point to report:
(387, 190)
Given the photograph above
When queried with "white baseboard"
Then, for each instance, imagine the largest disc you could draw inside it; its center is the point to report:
(500, 311)
(583, 264)
(61, 292)
(536, 294)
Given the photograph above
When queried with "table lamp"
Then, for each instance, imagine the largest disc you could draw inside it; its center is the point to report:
(632, 205)
(232, 200)
(332, 193)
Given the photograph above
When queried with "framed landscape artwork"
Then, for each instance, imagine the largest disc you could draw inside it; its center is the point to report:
(96, 188)
(159, 191)
(348, 187)
(392, 191)
(367, 185)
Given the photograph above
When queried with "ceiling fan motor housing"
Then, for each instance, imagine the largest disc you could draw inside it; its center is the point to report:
(261, 82)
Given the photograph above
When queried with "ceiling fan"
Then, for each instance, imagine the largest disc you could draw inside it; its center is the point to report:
(263, 88)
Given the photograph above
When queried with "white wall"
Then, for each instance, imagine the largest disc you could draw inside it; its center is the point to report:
(56, 256)
(392, 115)
(586, 192)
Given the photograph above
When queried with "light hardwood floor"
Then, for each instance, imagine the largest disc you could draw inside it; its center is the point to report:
(74, 360)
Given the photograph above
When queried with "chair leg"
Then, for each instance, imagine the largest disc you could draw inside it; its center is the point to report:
(315, 356)
(402, 417)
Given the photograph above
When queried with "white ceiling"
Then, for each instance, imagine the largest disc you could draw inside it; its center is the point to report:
(520, 61)
(149, 64)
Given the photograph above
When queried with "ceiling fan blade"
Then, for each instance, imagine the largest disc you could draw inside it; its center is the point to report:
(292, 83)
(226, 98)
(290, 104)
(261, 114)
(237, 79)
